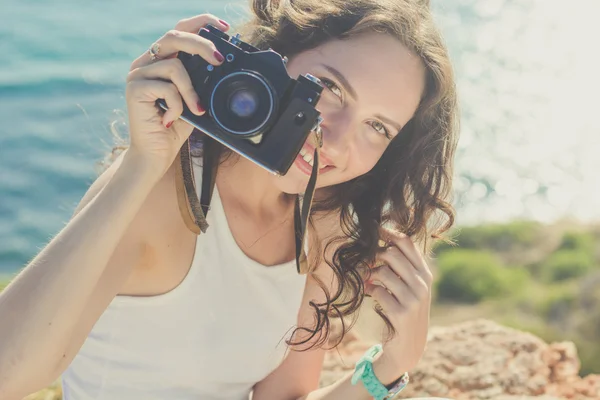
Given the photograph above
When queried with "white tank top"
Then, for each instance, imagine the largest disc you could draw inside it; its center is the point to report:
(214, 336)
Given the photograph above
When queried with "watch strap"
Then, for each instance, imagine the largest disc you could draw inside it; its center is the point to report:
(363, 371)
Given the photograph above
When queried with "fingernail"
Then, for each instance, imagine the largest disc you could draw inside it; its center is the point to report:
(168, 125)
(200, 108)
(224, 23)
(218, 56)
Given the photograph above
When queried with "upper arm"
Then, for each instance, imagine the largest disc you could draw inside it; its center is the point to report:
(156, 212)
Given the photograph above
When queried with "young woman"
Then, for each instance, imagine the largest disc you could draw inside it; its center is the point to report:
(127, 303)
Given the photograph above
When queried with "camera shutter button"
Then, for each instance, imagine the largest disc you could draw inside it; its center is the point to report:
(235, 40)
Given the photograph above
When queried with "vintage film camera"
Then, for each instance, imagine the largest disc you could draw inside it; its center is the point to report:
(252, 105)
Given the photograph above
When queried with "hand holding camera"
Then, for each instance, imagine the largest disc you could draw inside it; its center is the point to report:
(253, 106)
(231, 91)
(156, 137)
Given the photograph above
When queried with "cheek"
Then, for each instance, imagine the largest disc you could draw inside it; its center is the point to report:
(361, 161)
(365, 159)
(366, 151)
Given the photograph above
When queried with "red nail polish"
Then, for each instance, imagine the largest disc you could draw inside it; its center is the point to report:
(200, 108)
(218, 56)
(224, 23)
(169, 124)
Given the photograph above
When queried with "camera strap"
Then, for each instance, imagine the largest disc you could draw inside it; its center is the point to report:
(302, 214)
(190, 208)
(193, 210)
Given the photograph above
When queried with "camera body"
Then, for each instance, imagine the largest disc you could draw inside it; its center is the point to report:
(252, 105)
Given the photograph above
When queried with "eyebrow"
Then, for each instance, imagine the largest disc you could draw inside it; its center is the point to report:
(348, 88)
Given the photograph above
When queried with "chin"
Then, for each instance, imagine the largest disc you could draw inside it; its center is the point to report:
(294, 182)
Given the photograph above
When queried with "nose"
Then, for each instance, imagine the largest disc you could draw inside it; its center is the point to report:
(336, 136)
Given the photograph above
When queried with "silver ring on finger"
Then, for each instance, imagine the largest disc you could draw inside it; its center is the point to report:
(153, 51)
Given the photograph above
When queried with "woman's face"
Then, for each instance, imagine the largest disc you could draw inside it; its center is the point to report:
(373, 88)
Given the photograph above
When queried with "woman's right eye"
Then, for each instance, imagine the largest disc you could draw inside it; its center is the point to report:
(333, 88)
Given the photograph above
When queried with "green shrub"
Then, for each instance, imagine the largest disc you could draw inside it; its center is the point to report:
(471, 276)
(582, 241)
(557, 306)
(441, 247)
(566, 264)
(589, 292)
(589, 355)
(589, 325)
(497, 237)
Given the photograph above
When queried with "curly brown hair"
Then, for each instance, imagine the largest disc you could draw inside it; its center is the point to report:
(410, 187)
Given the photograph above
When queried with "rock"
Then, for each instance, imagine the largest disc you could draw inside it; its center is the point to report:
(481, 359)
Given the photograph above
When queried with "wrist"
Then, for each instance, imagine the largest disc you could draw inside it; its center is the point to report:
(386, 371)
(378, 374)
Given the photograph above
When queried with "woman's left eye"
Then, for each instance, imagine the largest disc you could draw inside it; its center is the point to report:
(335, 89)
(380, 128)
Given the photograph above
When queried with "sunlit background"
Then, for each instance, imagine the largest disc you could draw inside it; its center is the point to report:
(527, 76)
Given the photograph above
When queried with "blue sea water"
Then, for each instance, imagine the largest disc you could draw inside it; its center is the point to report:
(526, 70)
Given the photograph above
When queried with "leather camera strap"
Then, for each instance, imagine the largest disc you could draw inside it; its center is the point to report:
(193, 214)
(301, 216)
(193, 211)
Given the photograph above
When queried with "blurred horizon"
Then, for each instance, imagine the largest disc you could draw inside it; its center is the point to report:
(525, 71)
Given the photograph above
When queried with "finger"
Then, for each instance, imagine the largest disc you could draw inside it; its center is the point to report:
(194, 24)
(387, 301)
(407, 247)
(397, 262)
(151, 90)
(174, 71)
(175, 41)
(393, 283)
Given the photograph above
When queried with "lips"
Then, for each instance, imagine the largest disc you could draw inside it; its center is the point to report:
(304, 161)
(309, 150)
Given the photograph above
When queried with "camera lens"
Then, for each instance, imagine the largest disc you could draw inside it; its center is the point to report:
(242, 103)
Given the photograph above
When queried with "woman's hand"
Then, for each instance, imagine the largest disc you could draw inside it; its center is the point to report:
(402, 287)
(157, 137)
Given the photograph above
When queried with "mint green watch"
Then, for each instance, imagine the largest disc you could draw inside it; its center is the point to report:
(364, 372)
